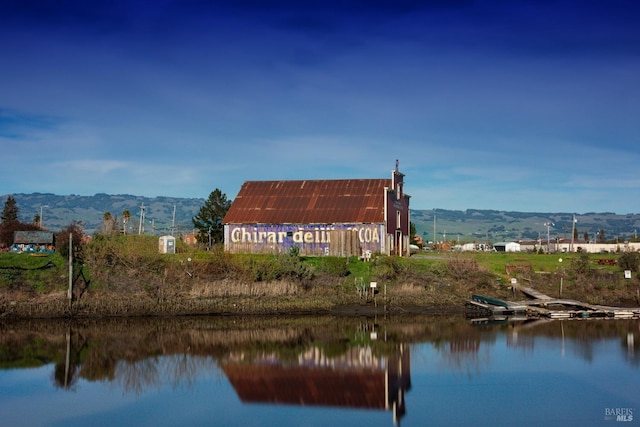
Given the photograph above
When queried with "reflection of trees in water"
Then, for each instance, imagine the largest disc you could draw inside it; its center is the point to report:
(67, 372)
(65, 378)
(185, 369)
(584, 337)
(138, 376)
(470, 363)
(180, 370)
(463, 352)
(523, 342)
(583, 349)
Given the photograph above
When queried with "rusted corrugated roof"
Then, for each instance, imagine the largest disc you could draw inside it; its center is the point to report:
(309, 202)
(301, 385)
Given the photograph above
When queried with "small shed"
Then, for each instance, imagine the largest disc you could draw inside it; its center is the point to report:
(167, 245)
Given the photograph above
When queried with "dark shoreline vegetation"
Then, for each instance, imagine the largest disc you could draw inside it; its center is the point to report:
(118, 276)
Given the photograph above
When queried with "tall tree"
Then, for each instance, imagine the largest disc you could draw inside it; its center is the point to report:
(10, 210)
(108, 223)
(208, 221)
(412, 232)
(76, 229)
(8, 222)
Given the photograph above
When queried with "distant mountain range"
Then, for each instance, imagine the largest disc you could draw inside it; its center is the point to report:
(59, 211)
(491, 225)
(453, 225)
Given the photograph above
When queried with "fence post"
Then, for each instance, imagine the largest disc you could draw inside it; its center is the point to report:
(69, 291)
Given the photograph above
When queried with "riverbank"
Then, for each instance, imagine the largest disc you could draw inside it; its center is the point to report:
(57, 306)
(122, 278)
(250, 301)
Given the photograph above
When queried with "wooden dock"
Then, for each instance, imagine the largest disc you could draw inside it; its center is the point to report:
(532, 293)
(541, 305)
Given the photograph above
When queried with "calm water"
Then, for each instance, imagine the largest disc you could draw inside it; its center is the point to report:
(320, 371)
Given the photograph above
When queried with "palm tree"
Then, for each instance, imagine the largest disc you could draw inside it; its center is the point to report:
(126, 215)
(107, 223)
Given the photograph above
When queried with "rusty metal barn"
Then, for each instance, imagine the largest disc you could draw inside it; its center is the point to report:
(342, 217)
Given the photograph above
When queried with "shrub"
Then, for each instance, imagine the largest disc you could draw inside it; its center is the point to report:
(438, 269)
(580, 265)
(292, 266)
(461, 268)
(110, 256)
(262, 268)
(218, 263)
(629, 261)
(386, 267)
(78, 235)
(334, 266)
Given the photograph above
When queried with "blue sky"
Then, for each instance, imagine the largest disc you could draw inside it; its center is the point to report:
(508, 105)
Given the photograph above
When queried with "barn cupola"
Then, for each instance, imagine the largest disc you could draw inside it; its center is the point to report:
(398, 182)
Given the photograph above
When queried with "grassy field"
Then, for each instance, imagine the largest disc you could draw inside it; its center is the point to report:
(496, 262)
(31, 273)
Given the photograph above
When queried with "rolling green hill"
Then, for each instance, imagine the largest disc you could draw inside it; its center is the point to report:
(59, 211)
(473, 225)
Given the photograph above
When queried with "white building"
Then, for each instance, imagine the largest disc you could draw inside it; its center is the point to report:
(507, 247)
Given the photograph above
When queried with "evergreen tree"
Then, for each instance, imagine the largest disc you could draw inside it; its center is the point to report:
(10, 210)
(9, 223)
(208, 221)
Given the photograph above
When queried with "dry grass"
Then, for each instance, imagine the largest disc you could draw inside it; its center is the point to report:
(232, 288)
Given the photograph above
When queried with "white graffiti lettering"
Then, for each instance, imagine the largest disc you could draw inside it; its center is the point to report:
(368, 235)
(241, 235)
(304, 236)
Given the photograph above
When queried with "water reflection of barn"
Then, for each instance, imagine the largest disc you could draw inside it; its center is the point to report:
(355, 380)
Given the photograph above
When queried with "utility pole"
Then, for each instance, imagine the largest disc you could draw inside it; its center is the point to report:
(435, 236)
(173, 221)
(70, 289)
(41, 222)
(548, 225)
(141, 225)
(573, 231)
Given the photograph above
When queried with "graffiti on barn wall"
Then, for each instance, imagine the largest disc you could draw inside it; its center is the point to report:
(311, 238)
